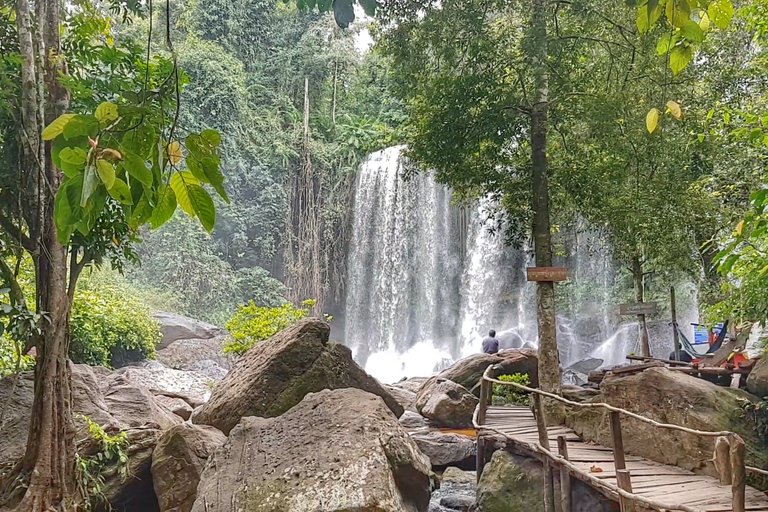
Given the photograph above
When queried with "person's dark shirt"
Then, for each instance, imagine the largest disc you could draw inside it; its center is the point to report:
(490, 345)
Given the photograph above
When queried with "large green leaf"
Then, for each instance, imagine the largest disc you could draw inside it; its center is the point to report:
(679, 58)
(106, 173)
(120, 192)
(136, 167)
(166, 205)
(212, 136)
(106, 112)
(67, 211)
(141, 140)
(203, 204)
(692, 32)
(72, 161)
(207, 170)
(141, 212)
(80, 126)
(720, 12)
(90, 182)
(180, 183)
(56, 127)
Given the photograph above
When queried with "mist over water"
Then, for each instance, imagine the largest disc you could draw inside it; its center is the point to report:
(426, 281)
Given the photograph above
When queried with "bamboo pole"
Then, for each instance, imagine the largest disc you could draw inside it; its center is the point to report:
(738, 474)
(565, 477)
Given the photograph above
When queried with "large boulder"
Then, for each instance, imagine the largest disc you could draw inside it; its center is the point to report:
(670, 397)
(203, 356)
(446, 449)
(336, 451)
(413, 384)
(448, 405)
(87, 400)
(175, 327)
(178, 461)
(510, 484)
(136, 406)
(161, 379)
(405, 397)
(278, 373)
(468, 371)
(757, 381)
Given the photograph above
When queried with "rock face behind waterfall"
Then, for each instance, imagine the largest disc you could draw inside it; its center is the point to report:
(670, 397)
(277, 373)
(336, 451)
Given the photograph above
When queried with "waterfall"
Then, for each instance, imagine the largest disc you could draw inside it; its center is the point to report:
(426, 281)
(404, 263)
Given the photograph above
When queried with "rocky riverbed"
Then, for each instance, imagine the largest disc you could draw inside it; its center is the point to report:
(296, 425)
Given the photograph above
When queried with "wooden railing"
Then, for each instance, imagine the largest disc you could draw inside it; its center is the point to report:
(729, 454)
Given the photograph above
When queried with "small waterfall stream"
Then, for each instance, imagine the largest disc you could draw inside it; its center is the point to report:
(424, 286)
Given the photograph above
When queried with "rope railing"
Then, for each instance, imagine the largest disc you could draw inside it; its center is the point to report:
(729, 455)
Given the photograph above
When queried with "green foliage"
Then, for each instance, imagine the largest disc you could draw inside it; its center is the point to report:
(252, 324)
(109, 325)
(110, 455)
(9, 357)
(510, 395)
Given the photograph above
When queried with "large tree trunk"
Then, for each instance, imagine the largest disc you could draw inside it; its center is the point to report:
(549, 357)
(49, 459)
(637, 282)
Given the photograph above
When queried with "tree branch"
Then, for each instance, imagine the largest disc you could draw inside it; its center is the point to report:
(16, 233)
(75, 268)
(16, 294)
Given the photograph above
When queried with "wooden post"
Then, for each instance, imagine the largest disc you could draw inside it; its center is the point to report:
(484, 386)
(673, 307)
(618, 443)
(565, 477)
(722, 460)
(549, 482)
(738, 474)
(480, 457)
(623, 481)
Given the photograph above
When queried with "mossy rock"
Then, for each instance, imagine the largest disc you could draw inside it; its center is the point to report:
(510, 484)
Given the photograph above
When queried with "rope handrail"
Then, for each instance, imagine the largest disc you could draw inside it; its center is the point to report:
(603, 405)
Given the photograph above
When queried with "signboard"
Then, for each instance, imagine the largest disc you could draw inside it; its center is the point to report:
(552, 274)
(638, 308)
(700, 334)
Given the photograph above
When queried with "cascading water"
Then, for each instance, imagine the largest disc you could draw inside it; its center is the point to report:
(424, 286)
(404, 263)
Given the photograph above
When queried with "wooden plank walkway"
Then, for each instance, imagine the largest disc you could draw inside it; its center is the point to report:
(669, 484)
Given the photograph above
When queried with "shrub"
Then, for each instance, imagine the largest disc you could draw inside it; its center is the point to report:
(9, 356)
(251, 324)
(110, 326)
(509, 395)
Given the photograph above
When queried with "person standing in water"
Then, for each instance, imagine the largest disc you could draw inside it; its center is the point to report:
(491, 344)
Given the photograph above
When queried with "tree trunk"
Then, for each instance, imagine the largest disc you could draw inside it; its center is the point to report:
(637, 281)
(549, 357)
(49, 459)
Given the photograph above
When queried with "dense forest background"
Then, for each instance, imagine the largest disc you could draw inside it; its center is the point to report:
(247, 63)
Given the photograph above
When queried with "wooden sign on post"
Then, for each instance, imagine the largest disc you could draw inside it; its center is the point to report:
(553, 274)
(638, 308)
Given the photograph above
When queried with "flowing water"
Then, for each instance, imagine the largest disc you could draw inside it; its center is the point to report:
(426, 281)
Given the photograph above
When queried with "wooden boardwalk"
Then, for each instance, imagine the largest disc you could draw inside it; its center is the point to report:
(659, 482)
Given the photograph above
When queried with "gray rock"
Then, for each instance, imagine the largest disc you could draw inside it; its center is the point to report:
(406, 398)
(159, 378)
(458, 476)
(135, 406)
(337, 450)
(445, 449)
(205, 356)
(448, 405)
(413, 384)
(176, 405)
(510, 483)
(462, 503)
(178, 461)
(277, 373)
(175, 327)
(757, 381)
(413, 421)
